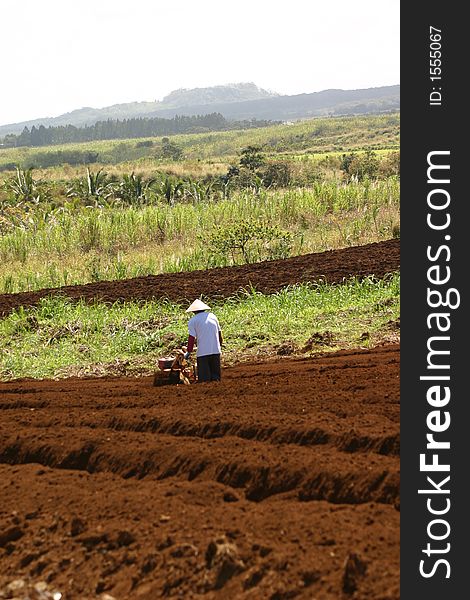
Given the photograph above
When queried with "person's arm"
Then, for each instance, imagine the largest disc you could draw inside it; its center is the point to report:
(221, 339)
(191, 340)
(190, 346)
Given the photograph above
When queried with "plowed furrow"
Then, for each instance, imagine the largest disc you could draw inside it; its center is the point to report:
(360, 433)
(261, 469)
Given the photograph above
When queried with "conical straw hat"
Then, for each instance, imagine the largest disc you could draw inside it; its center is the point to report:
(197, 305)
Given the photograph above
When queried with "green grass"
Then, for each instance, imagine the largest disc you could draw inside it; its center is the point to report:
(67, 247)
(60, 338)
(54, 242)
(317, 135)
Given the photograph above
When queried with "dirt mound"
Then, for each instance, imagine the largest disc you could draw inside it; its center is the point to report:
(281, 481)
(267, 277)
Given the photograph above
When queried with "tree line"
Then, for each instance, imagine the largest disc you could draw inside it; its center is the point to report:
(126, 128)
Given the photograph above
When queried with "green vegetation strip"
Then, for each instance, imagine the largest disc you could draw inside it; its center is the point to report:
(313, 135)
(60, 338)
(69, 246)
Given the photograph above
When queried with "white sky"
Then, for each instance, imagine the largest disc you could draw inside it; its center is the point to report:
(59, 55)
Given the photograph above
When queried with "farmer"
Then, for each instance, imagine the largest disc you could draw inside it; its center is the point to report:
(204, 327)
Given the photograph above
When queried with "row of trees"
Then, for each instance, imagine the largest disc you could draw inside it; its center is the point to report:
(125, 129)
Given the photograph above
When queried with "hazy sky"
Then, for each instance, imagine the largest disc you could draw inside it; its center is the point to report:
(59, 55)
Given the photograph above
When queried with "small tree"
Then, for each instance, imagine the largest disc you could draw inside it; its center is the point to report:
(170, 150)
(346, 161)
(390, 165)
(251, 158)
(249, 242)
(247, 174)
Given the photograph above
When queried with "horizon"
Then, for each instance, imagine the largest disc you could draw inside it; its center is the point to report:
(141, 51)
(170, 92)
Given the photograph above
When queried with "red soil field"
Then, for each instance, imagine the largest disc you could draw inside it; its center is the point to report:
(332, 266)
(279, 482)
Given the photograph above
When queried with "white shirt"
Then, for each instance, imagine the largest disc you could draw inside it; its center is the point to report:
(205, 327)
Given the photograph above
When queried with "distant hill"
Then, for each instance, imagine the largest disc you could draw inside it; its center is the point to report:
(301, 106)
(234, 101)
(222, 94)
(218, 94)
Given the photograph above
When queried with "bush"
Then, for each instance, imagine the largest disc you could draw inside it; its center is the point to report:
(243, 178)
(251, 158)
(249, 242)
(8, 166)
(360, 167)
(60, 157)
(390, 165)
(276, 174)
(170, 150)
(144, 144)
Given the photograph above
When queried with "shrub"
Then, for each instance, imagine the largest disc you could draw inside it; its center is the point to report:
(360, 167)
(144, 144)
(251, 158)
(249, 242)
(8, 166)
(60, 157)
(243, 178)
(390, 165)
(170, 150)
(277, 174)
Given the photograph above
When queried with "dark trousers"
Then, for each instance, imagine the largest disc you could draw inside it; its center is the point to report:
(208, 367)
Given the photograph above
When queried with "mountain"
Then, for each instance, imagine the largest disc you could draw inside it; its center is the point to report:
(231, 92)
(218, 94)
(235, 102)
(300, 106)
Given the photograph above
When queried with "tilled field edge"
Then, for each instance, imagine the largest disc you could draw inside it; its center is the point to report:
(334, 266)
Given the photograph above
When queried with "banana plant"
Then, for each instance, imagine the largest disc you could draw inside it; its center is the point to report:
(134, 189)
(93, 187)
(197, 191)
(23, 186)
(171, 189)
(256, 184)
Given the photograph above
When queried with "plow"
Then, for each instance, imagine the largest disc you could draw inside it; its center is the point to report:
(174, 370)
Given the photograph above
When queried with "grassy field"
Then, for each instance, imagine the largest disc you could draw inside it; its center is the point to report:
(60, 338)
(53, 235)
(312, 136)
(70, 246)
